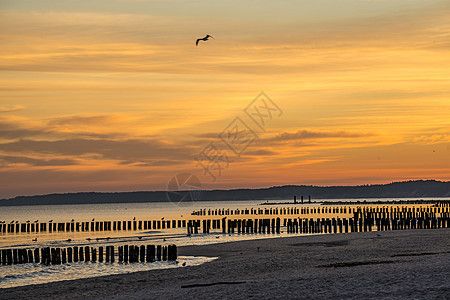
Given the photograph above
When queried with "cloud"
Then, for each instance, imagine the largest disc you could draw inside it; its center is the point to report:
(11, 109)
(131, 150)
(312, 134)
(8, 160)
(16, 128)
(260, 152)
(84, 120)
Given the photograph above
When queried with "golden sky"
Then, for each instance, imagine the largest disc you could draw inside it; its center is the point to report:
(115, 96)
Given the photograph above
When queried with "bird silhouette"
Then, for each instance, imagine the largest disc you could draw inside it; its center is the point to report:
(184, 264)
(203, 39)
(28, 221)
(12, 222)
(93, 220)
(162, 218)
(34, 240)
(69, 240)
(134, 218)
(50, 221)
(36, 221)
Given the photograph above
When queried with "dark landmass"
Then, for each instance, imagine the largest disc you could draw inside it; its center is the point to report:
(406, 189)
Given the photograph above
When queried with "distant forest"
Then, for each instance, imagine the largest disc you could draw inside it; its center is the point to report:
(406, 189)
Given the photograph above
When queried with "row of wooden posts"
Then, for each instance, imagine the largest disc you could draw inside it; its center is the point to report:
(91, 226)
(147, 225)
(359, 223)
(57, 256)
(439, 207)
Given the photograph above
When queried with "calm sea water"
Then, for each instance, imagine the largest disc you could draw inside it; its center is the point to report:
(33, 273)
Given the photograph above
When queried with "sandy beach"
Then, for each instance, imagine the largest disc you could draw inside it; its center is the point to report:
(395, 265)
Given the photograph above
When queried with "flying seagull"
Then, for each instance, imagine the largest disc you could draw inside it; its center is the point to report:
(203, 39)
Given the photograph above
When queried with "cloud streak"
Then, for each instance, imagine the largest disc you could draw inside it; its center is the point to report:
(11, 109)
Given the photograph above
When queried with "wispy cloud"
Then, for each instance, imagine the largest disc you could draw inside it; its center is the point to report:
(11, 109)
(13, 160)
(314, 134)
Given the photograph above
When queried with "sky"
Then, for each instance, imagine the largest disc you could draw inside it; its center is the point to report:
(115, 96)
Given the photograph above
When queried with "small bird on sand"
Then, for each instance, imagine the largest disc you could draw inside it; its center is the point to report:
(203, 39)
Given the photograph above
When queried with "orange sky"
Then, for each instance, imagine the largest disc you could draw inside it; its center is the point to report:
(115, 96)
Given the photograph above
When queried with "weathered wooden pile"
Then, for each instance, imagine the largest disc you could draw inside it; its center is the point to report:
(364, 219)
(432, 208)
(90, 226)
(57, 256)
(328, 208)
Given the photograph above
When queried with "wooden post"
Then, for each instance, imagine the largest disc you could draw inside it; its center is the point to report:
(81, 253)
(36, 255)
(15, 256)
(142, 253)
(87, 254)
(100, 254)
(108, 255)
(63, 256)
(75, 254)
(158, 252)
(4, 256)
(69, 255)
(53, 256)
(125, 253)
(120, 254)
(9, 256)
(112, 253)
(150, 253)
(94, 254)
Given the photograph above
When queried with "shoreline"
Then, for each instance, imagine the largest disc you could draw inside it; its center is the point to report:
(387, 264)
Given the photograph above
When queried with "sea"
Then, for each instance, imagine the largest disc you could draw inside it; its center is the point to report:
(32, 273)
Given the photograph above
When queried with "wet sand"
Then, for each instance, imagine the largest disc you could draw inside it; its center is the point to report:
(394, 264)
